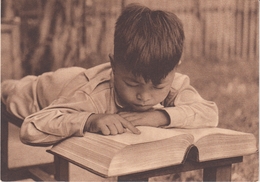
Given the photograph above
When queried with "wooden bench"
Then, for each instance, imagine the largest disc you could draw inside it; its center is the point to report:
(215, 170)
(43, 172)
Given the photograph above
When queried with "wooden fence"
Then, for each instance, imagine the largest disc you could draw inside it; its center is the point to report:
(218, 29)
(80, 32)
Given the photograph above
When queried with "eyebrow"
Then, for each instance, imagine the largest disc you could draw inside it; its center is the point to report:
(127, 79)
(130, 78)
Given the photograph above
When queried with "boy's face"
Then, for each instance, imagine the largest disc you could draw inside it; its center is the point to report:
(138, 94)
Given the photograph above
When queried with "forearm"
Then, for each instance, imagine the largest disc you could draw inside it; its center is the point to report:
(196, 115)
(31, 136)
(50, 126)
(187, 109)
(159, 118)
(155, 118)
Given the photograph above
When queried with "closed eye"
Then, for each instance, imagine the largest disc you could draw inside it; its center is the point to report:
(159, 87)
(132, 84)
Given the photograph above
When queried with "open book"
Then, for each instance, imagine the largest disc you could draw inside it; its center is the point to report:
(153, 148)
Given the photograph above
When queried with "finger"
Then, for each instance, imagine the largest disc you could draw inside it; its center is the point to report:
(119, 127)
(112, 128)
(129, 126)
(105, 130)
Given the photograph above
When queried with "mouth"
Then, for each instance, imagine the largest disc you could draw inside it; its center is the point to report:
(140, 107)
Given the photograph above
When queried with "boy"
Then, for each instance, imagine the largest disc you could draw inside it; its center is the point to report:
(115, 96)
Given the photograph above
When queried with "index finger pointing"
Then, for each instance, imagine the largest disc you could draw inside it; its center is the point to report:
(129, 126)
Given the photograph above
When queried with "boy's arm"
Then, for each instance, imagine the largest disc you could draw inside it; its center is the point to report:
(155, 118)
(56, 122)
(70, 117)
(65, 117)
(186, 108)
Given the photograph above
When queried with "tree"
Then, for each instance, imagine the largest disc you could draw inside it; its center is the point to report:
(65, 32)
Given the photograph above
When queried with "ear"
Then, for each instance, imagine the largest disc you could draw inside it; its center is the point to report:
(112, 61)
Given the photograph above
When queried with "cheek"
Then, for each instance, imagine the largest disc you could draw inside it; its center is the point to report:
(127, 94)
(124, 92)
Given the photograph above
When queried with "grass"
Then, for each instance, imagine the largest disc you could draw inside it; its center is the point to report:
(234, 86)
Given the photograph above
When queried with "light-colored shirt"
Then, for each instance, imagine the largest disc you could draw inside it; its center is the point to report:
(56, 105)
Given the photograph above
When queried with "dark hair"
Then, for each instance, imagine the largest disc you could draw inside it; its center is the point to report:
(148, 42)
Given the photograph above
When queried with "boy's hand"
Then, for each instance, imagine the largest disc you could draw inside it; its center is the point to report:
(154, 118)
(109, 124)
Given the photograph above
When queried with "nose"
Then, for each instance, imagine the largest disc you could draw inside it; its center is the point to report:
(143, 96)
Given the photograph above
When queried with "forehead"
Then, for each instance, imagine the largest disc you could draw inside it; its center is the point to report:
(127, 75)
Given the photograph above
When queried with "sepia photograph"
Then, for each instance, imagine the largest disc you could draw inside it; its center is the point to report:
(130, 90)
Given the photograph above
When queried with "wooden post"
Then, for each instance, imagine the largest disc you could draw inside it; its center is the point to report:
(220, 173)
(4, 146)
(61, 169)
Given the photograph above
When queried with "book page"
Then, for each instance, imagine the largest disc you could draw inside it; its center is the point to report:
(201, 132)
(148, 134)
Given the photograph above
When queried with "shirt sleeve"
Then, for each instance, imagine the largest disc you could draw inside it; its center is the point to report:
(63, 118)
(186, 108)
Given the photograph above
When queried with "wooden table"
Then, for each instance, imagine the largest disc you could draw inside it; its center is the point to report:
(215, 170)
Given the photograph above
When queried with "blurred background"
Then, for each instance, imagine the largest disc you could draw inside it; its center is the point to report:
(220, 53)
